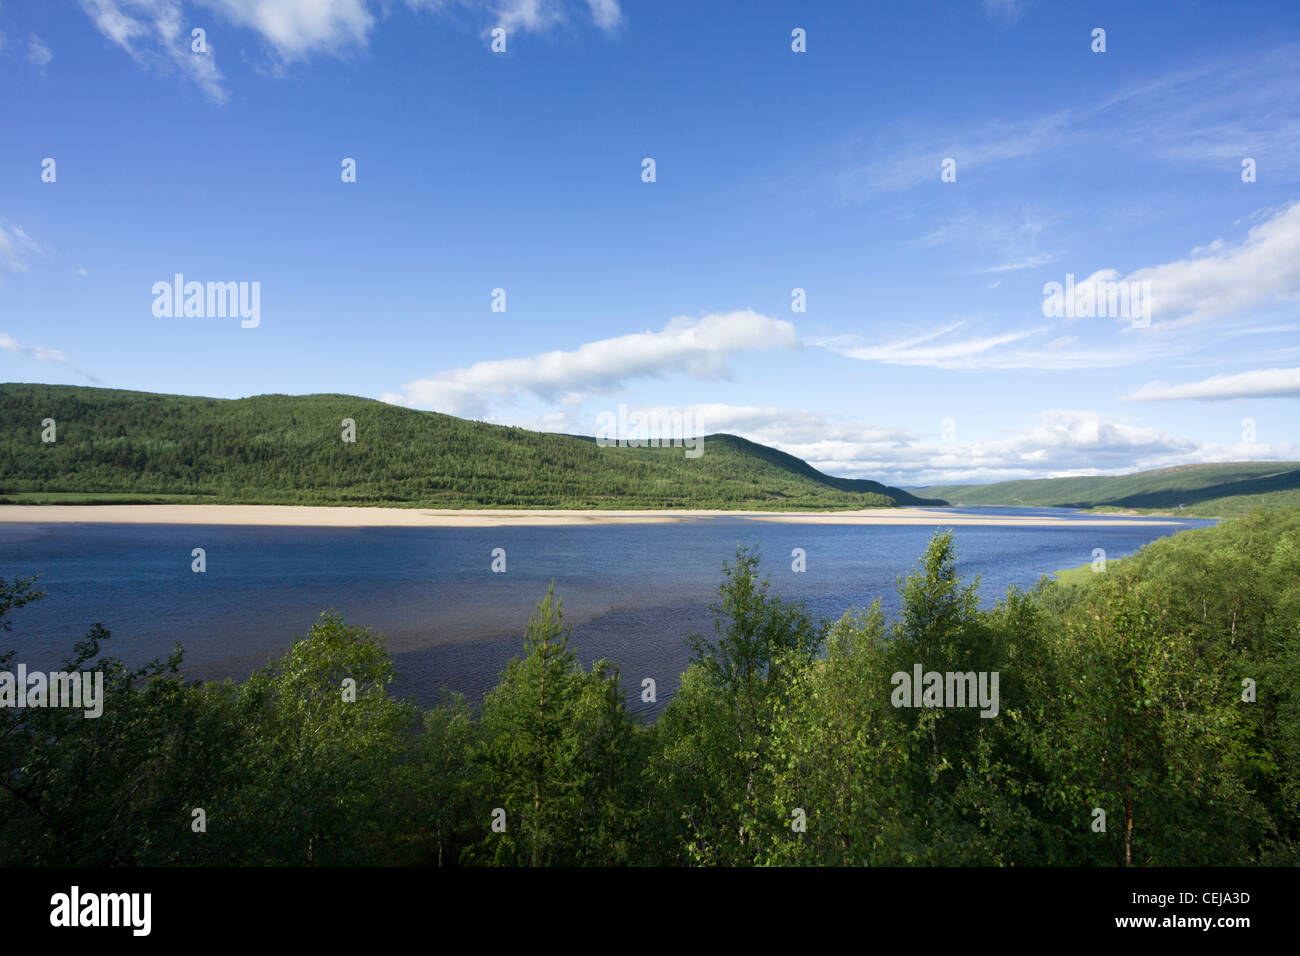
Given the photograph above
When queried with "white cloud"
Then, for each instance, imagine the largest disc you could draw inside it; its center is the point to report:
(1260, 383)
(293, 28)
(38, 53)
(532, 15)
(605, 13)
(697, 347)
(297, 29)
(1261, 272)
(43, 354)
(156, 32)
(1052, 444)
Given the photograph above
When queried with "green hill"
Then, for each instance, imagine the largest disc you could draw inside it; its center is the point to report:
(1216, 490)
(120, 446)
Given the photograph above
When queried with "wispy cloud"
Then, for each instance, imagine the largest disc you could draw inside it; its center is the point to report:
(1032, 262)
(44, 355)
(38, 53)
(1211, 115)
(940, 348)
(15, 246)
(1012, 238)
(1260, 383)
(156, 34)
(1004, 11)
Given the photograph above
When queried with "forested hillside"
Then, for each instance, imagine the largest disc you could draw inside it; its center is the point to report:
(119, 446)
(1148, 716)
(1214, 490)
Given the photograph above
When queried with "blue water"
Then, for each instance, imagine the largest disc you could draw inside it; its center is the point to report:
(631, 592)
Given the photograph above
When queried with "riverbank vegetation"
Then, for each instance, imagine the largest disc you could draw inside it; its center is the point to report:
(1148, 715)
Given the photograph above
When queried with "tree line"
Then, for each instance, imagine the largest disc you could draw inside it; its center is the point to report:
(342, 450)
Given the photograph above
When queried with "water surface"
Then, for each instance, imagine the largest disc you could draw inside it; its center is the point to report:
(631, 592)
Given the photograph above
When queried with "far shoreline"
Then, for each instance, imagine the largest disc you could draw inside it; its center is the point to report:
(327, 516)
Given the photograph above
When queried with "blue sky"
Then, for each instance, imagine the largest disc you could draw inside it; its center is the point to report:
(924, 354)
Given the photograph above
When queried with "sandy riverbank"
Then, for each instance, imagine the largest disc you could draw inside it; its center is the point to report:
(310, 516)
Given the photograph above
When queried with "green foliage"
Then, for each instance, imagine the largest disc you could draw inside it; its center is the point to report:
(719, 728)
(135, 447)
(839, 756)
(555, 754)
(320, 738)
(117, 789)
(13, 595)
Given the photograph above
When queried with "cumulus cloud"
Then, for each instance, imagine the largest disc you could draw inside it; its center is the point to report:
(697, 347)
(44, 355)
(1053, 444)
(1260, 383)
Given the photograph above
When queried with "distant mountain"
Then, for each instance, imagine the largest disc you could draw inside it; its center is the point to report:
(123, 446)
(1216, 490)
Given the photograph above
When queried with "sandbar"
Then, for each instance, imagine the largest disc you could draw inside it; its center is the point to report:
(362, 517)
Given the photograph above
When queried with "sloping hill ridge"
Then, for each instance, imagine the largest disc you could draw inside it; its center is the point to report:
(1211, 489)
(115, 445)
